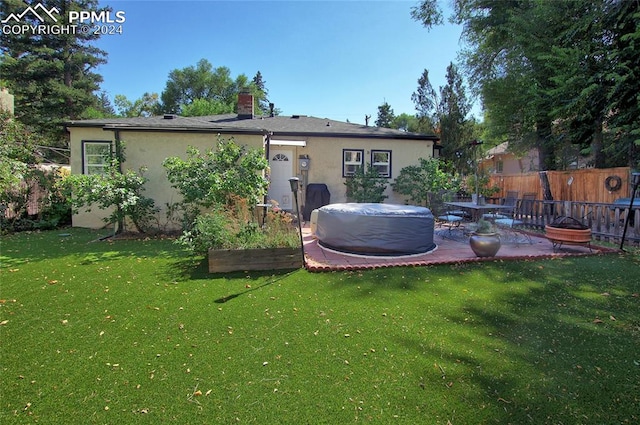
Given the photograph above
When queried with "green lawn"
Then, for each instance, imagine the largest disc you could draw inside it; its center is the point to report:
(131, 332)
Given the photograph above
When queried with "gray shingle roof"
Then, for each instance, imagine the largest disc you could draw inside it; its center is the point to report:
(296, 125)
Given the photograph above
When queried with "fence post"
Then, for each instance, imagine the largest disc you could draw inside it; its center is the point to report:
(567, 209)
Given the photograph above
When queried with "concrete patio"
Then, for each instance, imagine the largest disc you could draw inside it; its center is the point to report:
(450, 250)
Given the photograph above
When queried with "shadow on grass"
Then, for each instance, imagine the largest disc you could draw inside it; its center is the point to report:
(556, 346)
(197, 268)
(88, 245)
(274, 276)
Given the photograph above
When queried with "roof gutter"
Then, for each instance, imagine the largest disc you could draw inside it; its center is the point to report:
(357, 136)
(151, 129)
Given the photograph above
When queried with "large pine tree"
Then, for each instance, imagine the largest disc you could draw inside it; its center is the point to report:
(52, 75)
(554, 74)
(456, 129)
(385, 115)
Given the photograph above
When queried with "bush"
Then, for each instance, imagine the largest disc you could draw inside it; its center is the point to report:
(120, 190)
(24, 181)
(218, 177)
(366, 185)
(42, 186)
(233, 227)
(484, 184)
(419, 182)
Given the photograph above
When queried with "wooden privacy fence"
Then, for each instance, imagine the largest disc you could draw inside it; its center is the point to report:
(587, 185)
(35, 195)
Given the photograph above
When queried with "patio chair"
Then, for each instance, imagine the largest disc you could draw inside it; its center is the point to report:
(523, 209)
(443, 216)
(511, 200)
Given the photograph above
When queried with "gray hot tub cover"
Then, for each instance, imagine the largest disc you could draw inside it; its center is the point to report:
(385, 229)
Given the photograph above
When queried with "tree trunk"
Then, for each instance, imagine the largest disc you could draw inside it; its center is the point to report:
(546, 187)
(546, 148)
(597, 145)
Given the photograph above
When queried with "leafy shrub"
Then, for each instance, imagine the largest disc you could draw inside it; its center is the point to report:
(119, 190)
(41, 186)
(217, 177)
(55, 207)
(366, 185)
(419, 182)
(233, 227)
(23, 181)
(484, 184)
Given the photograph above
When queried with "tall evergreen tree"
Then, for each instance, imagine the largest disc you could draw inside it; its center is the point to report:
(554, 74)
(455, 126)
(385, 116)
(102, 109)
(426, 101)
(261, 93)
(52, 75)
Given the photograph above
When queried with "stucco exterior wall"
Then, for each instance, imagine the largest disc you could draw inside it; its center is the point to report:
(147, 149)
(326, 160)
(84, 218)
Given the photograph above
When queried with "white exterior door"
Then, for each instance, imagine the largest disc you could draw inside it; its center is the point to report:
(281, 163)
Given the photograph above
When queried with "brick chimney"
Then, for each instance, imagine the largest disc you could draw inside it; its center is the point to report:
(245, 106)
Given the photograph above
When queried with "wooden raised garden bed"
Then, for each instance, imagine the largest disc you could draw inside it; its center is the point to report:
(229, 260)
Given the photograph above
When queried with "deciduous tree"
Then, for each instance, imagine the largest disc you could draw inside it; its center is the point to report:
(406, 122)
(205, 90)
(145, 106)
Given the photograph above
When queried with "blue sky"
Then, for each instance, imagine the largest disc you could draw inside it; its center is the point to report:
(329, 59)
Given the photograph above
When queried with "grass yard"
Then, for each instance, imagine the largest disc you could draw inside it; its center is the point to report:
(136, 332)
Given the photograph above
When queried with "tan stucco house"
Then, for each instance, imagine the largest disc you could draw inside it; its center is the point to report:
(499, 160)
(316, 150)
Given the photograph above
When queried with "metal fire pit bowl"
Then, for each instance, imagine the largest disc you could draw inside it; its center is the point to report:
(567, 231)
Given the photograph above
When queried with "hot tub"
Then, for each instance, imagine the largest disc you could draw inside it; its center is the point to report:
(376, 229)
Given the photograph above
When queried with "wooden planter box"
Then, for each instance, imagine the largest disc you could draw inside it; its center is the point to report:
(229, 260)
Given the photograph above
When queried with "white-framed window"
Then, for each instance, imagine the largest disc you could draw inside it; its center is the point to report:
(381, 161)
(95, 157)
(499, 166)
(351, 161)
